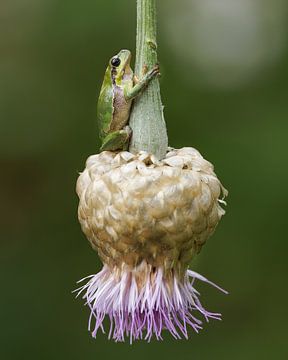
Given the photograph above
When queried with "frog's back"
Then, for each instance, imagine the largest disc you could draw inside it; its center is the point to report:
(105, 109)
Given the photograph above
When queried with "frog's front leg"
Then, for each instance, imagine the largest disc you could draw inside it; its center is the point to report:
(142, 83)
(117, 140)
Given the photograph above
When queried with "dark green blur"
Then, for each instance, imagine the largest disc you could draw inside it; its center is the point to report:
(53, 57)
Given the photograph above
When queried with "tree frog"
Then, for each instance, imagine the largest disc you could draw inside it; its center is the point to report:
(118, 90)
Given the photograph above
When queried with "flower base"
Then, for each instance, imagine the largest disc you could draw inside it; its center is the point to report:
(144, 301)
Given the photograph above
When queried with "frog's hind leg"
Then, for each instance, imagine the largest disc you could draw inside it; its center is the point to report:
(117, 140)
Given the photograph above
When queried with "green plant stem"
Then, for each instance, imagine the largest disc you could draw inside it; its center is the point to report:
(147, 119)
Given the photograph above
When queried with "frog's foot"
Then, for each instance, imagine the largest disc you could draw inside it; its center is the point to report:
(117, 140)
(152, 73)
(141, 83)
(155, 71)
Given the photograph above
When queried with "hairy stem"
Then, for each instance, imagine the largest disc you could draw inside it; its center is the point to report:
(147, 119)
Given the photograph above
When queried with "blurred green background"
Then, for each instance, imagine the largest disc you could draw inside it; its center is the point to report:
(224, 86)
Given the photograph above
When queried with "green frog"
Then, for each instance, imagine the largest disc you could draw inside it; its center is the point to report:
(118, 90)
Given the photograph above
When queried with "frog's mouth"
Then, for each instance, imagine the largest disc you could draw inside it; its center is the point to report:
(125, 70)
(127, 59)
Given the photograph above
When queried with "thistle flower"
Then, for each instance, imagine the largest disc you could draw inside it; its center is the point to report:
(147, 219)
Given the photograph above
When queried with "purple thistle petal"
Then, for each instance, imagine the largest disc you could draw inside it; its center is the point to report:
(161, 303)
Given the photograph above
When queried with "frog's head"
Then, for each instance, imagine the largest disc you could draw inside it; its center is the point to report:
(120, 66)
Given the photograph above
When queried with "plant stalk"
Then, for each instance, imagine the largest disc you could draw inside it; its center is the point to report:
(147, 120)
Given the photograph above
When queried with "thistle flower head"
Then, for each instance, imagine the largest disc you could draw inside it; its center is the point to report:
(147, 219)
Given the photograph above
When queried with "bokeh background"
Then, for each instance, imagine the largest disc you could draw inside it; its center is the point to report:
(224, 85)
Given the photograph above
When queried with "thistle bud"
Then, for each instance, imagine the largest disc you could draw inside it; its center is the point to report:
(147, 219)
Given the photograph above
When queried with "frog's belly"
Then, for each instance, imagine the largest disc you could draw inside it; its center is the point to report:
(121, 110)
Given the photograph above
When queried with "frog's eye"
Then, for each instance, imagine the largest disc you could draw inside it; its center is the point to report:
(115, 61)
